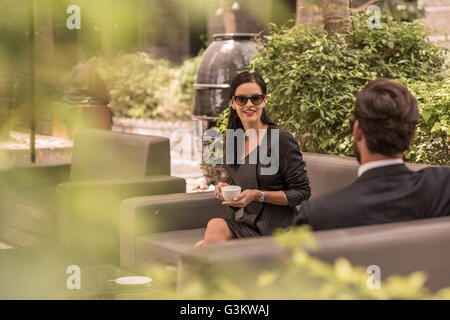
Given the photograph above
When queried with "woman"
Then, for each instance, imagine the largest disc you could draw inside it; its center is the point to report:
(268, 200)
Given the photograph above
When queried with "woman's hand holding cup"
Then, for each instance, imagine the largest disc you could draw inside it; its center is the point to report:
(218, 190)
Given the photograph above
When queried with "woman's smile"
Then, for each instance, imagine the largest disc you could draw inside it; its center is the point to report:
(249, 112)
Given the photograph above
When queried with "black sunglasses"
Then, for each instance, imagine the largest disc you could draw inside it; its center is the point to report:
(256, 99)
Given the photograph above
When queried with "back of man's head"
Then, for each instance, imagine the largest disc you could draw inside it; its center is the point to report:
(387, 114)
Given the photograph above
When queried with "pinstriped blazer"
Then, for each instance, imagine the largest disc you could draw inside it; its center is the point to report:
(290, 178)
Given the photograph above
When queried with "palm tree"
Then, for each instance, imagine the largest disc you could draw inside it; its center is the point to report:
(336, 16)
(32, 98)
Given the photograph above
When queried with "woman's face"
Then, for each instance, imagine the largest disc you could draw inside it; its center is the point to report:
(249, 113)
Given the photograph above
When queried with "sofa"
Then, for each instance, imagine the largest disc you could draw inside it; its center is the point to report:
(75, 205)
(398, 248)
(163, 229)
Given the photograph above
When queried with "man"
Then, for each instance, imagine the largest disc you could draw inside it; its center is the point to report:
(386, 115)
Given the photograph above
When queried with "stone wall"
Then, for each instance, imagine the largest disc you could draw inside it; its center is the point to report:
(437, 17)
(16, 150)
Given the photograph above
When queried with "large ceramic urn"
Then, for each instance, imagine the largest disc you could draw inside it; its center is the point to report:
(226, 56)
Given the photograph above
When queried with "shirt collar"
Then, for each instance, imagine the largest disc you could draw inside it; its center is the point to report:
(376, 164)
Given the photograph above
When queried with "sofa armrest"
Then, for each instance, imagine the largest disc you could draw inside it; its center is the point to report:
(36, 175)
(89, 211)
(154, 214)
(128, 187)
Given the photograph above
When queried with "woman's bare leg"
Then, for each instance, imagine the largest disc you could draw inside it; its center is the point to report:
(216, 231)
(199, 244)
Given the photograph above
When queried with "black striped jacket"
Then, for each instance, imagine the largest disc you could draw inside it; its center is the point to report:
(290, 177)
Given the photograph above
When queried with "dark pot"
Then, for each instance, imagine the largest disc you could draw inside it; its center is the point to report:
(227, 55)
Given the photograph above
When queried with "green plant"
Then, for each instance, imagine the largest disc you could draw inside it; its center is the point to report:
(178, 93)
(403, 10)
(215, 145)
(313, 80)
(432, 142)
(141, 86)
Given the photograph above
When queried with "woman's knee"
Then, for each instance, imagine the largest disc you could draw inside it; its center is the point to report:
(218, 226)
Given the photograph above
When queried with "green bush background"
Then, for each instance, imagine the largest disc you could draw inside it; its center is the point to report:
(313, 80)
(312, 83)
(141, 86)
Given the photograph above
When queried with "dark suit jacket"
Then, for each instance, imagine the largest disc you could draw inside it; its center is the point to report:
(381, 195)
(290, 178)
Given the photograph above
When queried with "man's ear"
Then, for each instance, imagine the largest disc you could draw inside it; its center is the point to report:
(357, 131)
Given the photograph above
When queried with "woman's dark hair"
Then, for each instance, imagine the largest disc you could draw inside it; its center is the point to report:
(387, 113)
(234, 122)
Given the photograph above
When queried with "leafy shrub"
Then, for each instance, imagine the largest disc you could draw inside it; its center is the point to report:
(144, 87)
(178, 94)
(313, 80)
(431, 144)
(403, 10)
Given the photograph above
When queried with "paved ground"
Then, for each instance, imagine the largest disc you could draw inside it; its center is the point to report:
(437, 17)
(16, 151)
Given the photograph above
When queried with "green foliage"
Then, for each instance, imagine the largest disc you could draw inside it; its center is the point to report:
(400, 10)
(313, 80)
(403, 10)
(299, 276)
(144, 87)
(433, 131)
(215, 146)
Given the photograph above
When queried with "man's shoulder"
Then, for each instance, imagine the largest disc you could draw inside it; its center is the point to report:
(442, 171)
(333, 202)
(336, 197)
(436, 175)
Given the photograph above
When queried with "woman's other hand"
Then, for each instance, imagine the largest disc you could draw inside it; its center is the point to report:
(243, 199)
(218, 190)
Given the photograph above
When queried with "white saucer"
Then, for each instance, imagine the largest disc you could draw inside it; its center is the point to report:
(133, 280)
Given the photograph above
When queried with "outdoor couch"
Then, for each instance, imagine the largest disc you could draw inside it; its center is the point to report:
(163, 229)
(75, 205)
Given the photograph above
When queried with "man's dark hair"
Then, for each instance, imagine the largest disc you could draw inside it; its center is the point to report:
(387, 113)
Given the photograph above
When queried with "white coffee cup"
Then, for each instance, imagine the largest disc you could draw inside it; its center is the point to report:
(229, 192)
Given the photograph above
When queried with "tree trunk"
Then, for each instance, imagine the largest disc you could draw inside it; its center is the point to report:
(298, 16)
(32, 84)
(336, 16)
